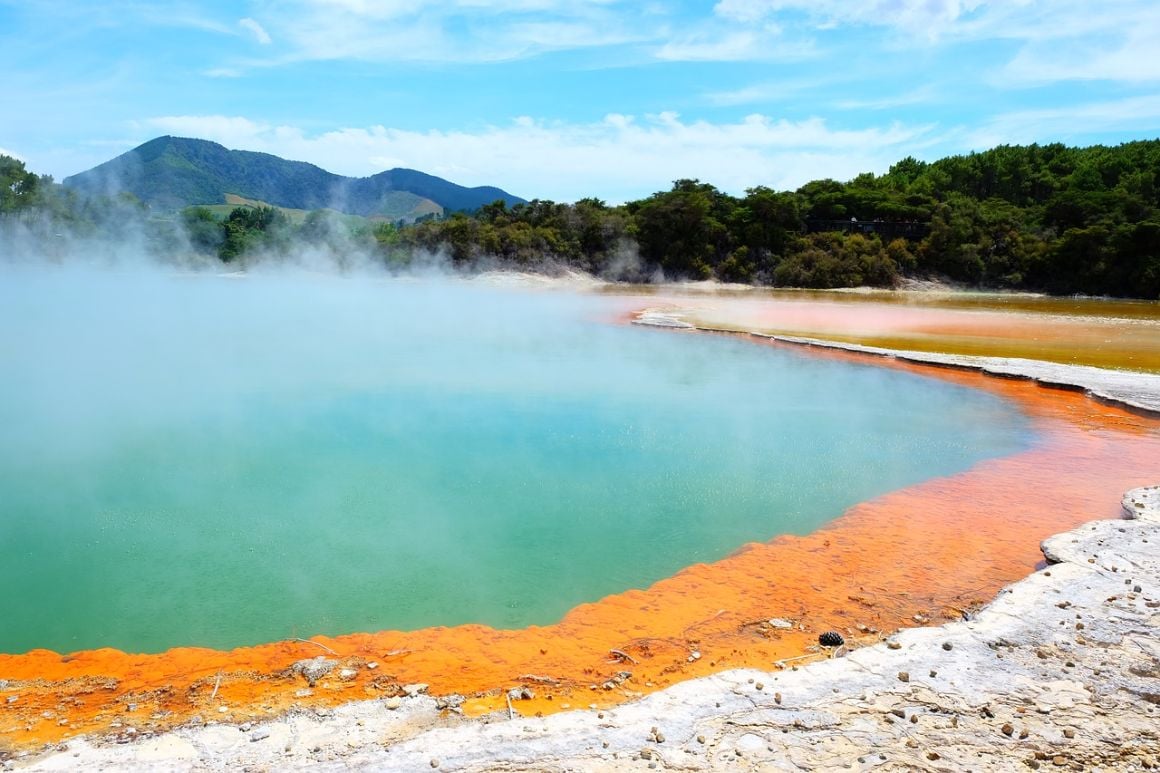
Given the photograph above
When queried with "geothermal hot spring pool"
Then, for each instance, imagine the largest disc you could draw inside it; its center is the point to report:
(215, 461)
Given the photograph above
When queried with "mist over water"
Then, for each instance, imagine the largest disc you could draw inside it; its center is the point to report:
(190, 459)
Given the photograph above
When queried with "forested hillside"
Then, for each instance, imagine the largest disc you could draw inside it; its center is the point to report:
(1040, 217)
(1051, 218)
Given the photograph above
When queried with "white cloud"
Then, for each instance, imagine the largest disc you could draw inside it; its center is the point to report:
(618, 158)
(13, 154)
(255, 29)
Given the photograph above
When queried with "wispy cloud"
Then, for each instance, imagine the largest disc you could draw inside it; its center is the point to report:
(1063, 40)
(749, 45)
(919, 96)
(1138, 114)
(222, 72)
(926, 18)
(769, 92)
(255, 29)
(458, 31)
(1133, 57)
(173, 14)
(619, 157)
(11, 153)
(732, 47)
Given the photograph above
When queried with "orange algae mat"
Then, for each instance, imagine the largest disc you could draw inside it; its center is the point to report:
(924, 554)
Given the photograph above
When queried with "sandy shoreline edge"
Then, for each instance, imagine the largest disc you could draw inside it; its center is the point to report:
(1060, 665)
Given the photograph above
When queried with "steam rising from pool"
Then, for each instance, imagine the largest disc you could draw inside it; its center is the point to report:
(204, 460)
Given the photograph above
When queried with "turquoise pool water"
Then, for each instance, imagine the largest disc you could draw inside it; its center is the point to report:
(196, 460)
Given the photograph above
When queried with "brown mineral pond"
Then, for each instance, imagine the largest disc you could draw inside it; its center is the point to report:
(921, 555)
(1104, 333)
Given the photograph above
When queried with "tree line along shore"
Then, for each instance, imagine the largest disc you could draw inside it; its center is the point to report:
(1045, 218)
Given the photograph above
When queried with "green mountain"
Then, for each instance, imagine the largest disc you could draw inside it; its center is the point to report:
(170, 173)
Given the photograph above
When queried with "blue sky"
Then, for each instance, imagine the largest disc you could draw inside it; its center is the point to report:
(563, 99)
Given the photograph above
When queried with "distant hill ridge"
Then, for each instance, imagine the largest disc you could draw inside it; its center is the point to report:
(170, 173)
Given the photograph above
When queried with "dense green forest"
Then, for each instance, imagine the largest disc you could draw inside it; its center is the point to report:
(1040, 217)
